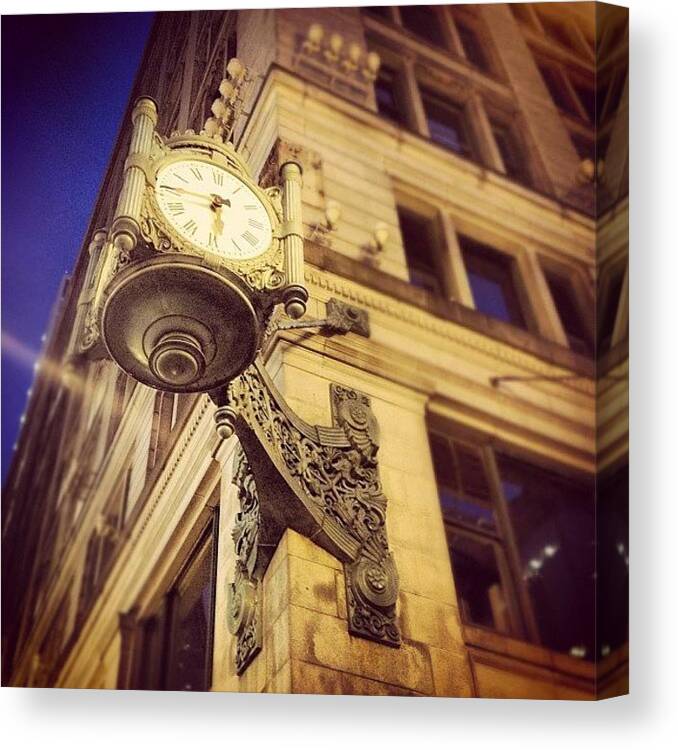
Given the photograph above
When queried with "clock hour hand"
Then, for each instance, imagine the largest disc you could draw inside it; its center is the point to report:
(217, 222)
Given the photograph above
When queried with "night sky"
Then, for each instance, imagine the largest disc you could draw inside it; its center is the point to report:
(66, 80)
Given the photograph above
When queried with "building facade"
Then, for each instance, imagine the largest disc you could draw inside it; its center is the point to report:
(465, 186)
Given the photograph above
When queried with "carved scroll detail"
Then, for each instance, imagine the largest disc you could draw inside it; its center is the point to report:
(244, 605)
(333, 473)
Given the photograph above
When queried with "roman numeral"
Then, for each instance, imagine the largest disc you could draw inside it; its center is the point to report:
(176, 207)
(212, 242)
(255, 224)
(237, 247)
(217, 177)
(235, 191)
(183, 179)
(251, 207)
(198, 174)
(190, 226)
(249, 237)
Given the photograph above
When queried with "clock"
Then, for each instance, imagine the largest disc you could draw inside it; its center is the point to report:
(213, 209)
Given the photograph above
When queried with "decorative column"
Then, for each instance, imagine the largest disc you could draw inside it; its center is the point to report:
(295, 294)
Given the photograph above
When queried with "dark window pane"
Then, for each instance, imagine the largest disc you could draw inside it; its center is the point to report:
(386, 94)
(191, 619)
(472, 472)
(558, 90)
(511, 153)
(607, 310)
(587, 96)
(557, 32)
(602, 144)
(463, 487)
(612, 590)
(473, 47)
(424, 22)
(576, 327)
(446, 123)
(480, 590)
(616, 90)
(520, 12)
(380, 11)
(443, 462)
(553, 524)
(418, 235)
(490, 275)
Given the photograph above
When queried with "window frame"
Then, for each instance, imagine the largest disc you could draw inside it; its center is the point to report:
(151, 673)
(521, 607)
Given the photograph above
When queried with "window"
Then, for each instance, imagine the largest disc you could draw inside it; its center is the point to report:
(491, 278)
(577, 327)
(587, 97)
(424, 22)
(447, 123)
(521, 547)
(552, 521)
(175, 650)
(557, 32)
(380, 11)
(572, 89)
(511, 152)
(103, 544)
(421, 250)
(558, 89)
(612, 511)
(386, 92)
(473, 47)
(608, 307)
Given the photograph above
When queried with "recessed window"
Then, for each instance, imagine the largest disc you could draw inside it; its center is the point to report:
(447, 123)
(387, 94)
(463, 486)
(481, 592)
(576, 326)
(558, 32)
(419, 234)
(552, 521)
(424, 22)
(473, 47)
(530, 530)
(557, 87)
(176, 644)
(380, 11)
(511, 152)
(608, 308)
(491, 278)
(587, 97)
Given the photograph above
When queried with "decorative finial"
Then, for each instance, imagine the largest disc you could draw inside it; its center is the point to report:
(226, 108)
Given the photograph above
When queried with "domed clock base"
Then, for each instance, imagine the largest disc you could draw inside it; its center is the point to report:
(176, 324)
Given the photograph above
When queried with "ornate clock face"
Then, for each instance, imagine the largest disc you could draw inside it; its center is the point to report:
(213, 209)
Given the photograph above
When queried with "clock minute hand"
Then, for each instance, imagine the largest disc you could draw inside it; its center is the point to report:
(187, 192)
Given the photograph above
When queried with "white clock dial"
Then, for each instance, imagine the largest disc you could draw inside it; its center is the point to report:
(213, 209)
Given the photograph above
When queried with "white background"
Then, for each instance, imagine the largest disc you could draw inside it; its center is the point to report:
(647, 718)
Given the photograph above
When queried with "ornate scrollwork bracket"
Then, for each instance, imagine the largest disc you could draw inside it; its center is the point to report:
(323, 482)
(244, 594)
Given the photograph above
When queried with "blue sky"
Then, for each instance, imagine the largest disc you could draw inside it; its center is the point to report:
(66, 80)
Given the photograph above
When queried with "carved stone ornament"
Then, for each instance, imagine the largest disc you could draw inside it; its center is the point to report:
(244, 605)
(323, 482)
